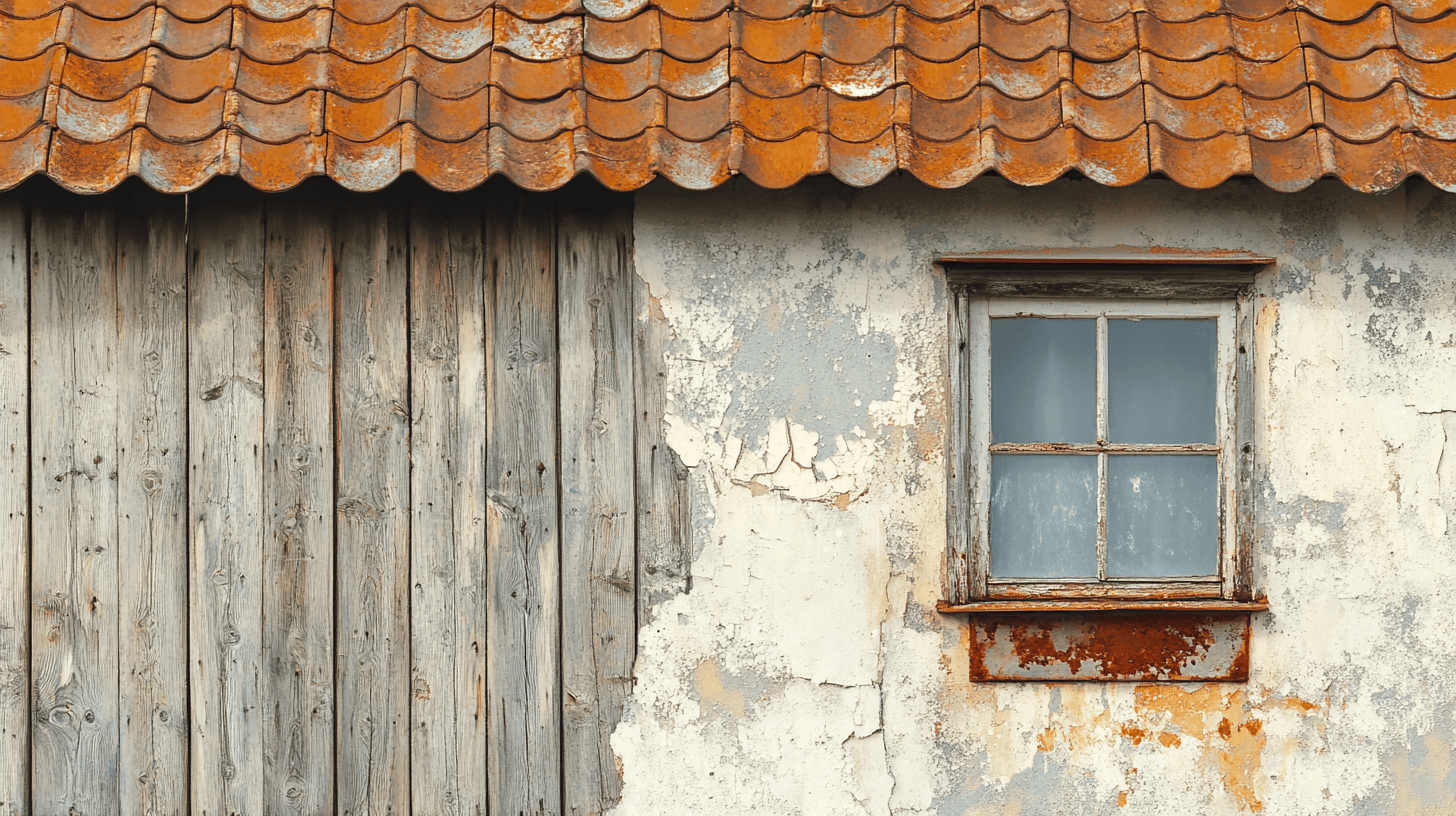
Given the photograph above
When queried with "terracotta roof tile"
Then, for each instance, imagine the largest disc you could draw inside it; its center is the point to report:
(194, 10)
(282, 122)
(187, 39)
(182, 122)
(1111, 119)
(19, 116)
(24, 77)
(451, 120)
(695, 40)
(21, 39)
(623, 80)
(275, 91)
(691, 80)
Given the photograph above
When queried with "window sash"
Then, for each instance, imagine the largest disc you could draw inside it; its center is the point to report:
(973, 315)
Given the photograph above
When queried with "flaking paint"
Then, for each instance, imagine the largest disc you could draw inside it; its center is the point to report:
(807, 670)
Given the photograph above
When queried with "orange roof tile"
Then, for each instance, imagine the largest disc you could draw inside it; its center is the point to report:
(274, 91)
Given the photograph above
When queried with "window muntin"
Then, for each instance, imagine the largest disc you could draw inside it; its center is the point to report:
(1109, 425)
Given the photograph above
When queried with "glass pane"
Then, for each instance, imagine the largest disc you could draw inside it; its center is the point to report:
(1160, 381)
(1043, 516)
(1043, 380)
(1162, 516)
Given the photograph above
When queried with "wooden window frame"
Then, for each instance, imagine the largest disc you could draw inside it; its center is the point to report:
(1096, 282)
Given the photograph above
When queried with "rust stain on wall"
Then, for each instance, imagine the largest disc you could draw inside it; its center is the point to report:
(1111, 646)
(1226, 725)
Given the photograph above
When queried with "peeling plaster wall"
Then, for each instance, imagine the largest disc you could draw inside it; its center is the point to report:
(807, 672)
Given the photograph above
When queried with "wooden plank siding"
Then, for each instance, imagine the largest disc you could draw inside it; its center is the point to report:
(298, 488)
(598, 563)
(318, 502)
(225, 506)
(14, 507)
(151, 273)
(74, 614)
(447, 506)
(523, 555)
(372, 522)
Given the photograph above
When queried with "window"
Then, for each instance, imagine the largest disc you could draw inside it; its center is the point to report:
(1101, 444)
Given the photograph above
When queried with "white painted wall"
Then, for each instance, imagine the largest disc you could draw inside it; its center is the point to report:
(807, 672)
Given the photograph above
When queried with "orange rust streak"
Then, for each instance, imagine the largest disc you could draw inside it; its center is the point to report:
(1120, 647)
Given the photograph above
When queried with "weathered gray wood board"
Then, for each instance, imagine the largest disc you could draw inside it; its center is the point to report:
(523, 558)
(225, 485)
(447, 515)
(664, 534)
(371, 418)
(598, 552)
(317, 503)
(151, 469)
(74, 600)
(298, 480)
(14, 510)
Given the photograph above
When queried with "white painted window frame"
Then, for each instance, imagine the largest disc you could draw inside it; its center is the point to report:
(1217, 286)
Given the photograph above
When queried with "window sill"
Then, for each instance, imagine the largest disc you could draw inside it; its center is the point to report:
(1043, 605)
(1108, 639)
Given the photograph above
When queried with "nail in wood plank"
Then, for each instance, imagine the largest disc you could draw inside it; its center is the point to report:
(598, 561)
(73, 505)
(225, 463)
(151, 260)
(522, 542)
(447, 497)
(371, 413)
(298, 539)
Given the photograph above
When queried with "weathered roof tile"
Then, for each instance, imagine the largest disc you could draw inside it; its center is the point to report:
(22, 39)
(275, 91)
(282, 122)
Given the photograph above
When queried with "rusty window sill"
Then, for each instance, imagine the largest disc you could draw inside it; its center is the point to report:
(1023, 605)
(1109, 639)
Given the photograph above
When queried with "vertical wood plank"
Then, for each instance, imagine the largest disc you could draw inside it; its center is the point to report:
(523, 552)
(961, 566)
(73, 505)
(664, 508)
(371, 399)
(14, 509)
(447, 508)
(298, 476)
(598, 552)
(977, 407)
(1241, 587)
(151, 263)
(225, 463)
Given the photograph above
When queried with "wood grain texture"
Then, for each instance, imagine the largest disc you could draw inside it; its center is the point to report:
(598, 553)
(151, 259)
(1245, 453)
(298, 538)
(962, 568)
(447, 515)
(1102, 281)
(14, 508)
(225, 466)
(73, 404)
(371, 415)
(664, 509)
(522, 535)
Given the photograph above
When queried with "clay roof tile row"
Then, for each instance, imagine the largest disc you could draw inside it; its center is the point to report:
(275, 91)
